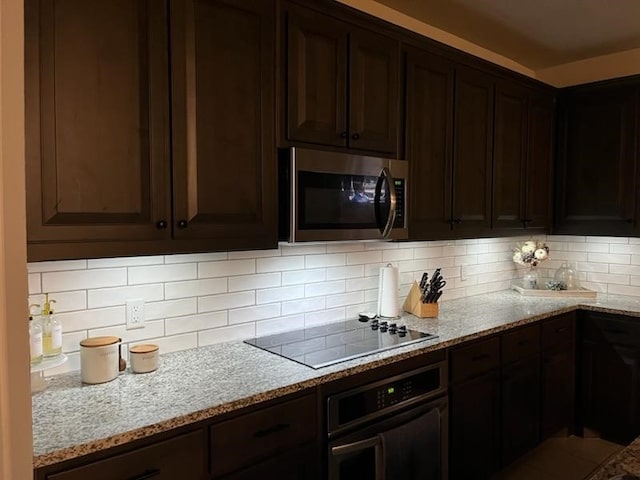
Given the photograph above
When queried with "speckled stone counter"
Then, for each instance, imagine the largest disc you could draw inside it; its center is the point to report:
(625, 462)
(71, 419)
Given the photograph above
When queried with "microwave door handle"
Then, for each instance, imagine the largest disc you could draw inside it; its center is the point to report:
(375, 442)
(385, 176)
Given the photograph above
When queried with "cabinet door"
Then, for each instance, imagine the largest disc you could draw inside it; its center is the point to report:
(97, 149)
(298, 464)
(557, 389)
(316, 79)
(180, 457)
(597, 162)
(428, 139)
(611, 391)
(509, 157)
(374, 68)
(474, 421)
(224, 168)
(520, 408)
(472, 152)
(540, 146)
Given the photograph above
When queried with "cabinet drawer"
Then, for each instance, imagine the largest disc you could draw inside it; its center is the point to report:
(475, 359)
(180, 457)
(520, 344)
(612, 329)
(244, 440)
(557, 330)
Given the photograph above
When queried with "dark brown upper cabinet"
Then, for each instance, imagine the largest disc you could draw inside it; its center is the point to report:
(342, 84)
(472, 152)
(97, 126)
(598, 160)
(522, 158)
(223, 79)
(429, 126)
(108, 172)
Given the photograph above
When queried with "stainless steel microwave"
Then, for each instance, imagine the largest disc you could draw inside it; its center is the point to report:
(337, 196)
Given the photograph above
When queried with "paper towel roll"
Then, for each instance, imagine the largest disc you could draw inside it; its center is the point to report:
(388, 292)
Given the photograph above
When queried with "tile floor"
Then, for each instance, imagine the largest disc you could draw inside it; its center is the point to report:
(561, 458)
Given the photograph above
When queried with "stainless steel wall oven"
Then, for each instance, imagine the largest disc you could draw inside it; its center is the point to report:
(393, 429)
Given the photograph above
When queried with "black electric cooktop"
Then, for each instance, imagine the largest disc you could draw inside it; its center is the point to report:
(333, 343)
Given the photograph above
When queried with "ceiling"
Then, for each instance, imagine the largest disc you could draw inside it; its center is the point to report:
(536, 34)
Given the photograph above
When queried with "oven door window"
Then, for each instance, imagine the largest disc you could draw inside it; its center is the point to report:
(328, 201)
(360, 460)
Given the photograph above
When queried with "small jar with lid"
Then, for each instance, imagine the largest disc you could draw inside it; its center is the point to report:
(144, 358)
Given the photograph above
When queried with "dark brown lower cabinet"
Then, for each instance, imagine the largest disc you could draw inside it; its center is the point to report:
(557, 389)
(180, 457)
(611, 390)
(474, 427)
(520, 408)
(298, 464)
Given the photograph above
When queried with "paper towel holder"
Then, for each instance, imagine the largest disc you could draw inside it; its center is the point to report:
(388, 294)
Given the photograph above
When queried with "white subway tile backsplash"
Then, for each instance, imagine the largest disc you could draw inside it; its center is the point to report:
(195, 288)
(162, 273)
(359, 258)
(83, 279)
(252, 282)
(124, 262)
(280, 264)
(326, 260)
(280, 324)
(195, 257)
(251, 314)
(91, 319)
(304, 276)
(226, 301)
(65, 301)
(624, 248)
(171, 308)
(205, 298)
(270, 295)
(397, 254)
(194, 323)
(226, 334)
(606, 258)
(59, 266)
(344, 299)
(302, 306)
(107, 297)
(226, 268)
(324, 288)
(34, 283)
(339, 273)
(325, 316)
(254, 254)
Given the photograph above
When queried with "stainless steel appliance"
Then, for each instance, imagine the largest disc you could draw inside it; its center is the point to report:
(338, 196)
(337, 342)
(393, 429)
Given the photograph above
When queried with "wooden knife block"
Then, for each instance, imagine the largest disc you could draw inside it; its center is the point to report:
(413, 304)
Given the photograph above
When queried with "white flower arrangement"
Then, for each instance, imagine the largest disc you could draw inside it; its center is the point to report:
(530, 253)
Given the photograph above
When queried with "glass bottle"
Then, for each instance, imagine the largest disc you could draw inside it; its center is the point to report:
(35, 338)
(51, 330)
(568, 274)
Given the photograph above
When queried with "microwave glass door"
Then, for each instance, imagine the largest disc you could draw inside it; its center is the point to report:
(331, 201)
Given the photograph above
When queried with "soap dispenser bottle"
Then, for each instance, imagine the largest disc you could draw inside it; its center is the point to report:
(51, 330)
(35, 337)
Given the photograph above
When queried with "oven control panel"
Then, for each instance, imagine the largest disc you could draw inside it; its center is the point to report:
(362, 404)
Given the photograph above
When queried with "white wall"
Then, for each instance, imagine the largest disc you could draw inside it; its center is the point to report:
(200, 299)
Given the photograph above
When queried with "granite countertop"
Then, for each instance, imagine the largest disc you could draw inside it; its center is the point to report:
(71, 419)
(626, 461)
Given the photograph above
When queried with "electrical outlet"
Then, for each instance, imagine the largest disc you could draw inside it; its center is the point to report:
(463, 273)
(135, 313)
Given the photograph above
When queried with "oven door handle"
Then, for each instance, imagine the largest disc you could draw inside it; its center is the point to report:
(375, 442)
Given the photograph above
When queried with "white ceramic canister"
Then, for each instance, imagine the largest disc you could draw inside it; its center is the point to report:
(101, 359)
(144, 358)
